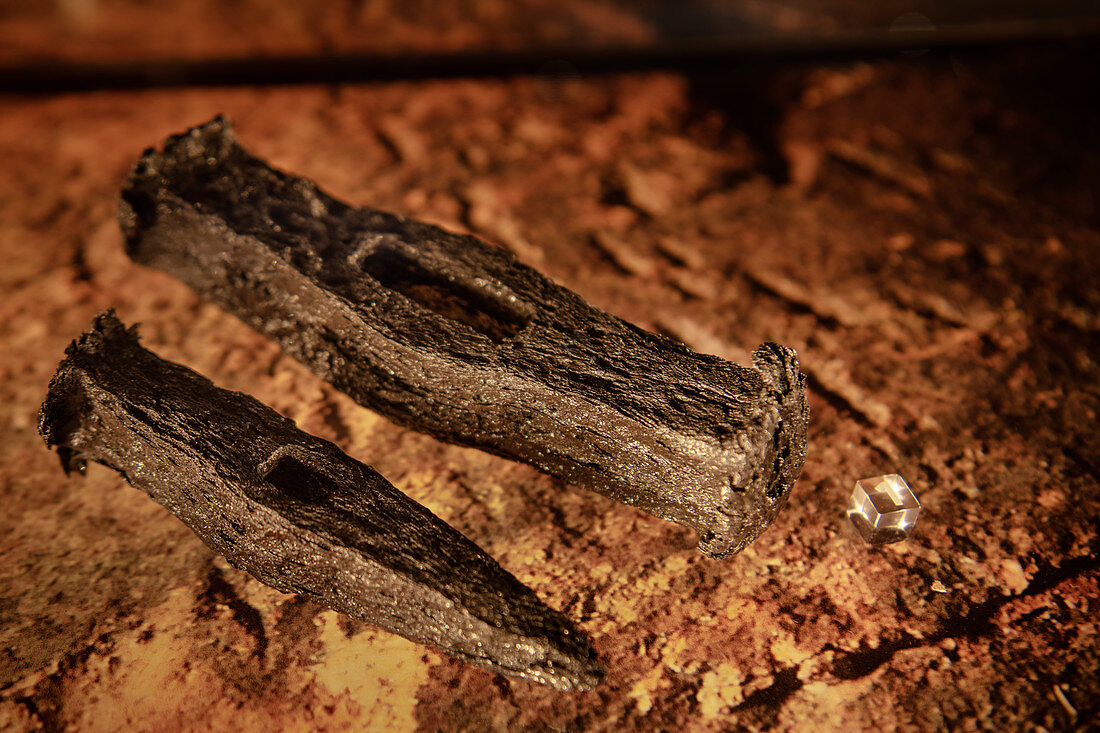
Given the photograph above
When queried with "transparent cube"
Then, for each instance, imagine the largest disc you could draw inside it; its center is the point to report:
(883, 509)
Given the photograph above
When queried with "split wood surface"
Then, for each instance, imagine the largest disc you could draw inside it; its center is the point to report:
(297, 513)
(443, 333)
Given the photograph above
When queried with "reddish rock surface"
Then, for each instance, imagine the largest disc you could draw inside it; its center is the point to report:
(128, 30)
(924, 232)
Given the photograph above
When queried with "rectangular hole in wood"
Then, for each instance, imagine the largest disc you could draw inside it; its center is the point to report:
(487, 313)
(296, 480)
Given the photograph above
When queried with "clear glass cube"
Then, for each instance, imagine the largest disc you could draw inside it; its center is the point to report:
(883, 509)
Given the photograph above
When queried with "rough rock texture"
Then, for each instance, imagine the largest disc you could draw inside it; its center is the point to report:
(295, 512)
(923, 231)
(447, 334)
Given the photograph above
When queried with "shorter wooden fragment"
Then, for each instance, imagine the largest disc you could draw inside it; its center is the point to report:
(297, 513)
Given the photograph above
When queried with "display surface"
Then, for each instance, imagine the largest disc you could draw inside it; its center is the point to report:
(922, 230)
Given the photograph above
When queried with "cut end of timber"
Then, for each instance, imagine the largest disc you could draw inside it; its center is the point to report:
(750, 506)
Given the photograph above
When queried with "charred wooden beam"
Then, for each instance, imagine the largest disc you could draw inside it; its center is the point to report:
(446, 334)
(297, 513)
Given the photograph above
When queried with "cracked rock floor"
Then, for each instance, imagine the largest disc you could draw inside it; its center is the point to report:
(924, 232)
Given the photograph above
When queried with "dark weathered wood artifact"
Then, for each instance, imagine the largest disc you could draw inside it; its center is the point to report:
(446, 334)
(297, 513)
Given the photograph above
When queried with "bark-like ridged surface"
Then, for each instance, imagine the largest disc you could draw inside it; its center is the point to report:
(297, 513)
(445, 334)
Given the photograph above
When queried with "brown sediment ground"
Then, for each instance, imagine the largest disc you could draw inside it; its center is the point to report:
(923, 231)
(138, 30)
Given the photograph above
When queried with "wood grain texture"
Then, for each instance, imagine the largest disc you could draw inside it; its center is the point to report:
(446, 334)
(296, 512)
